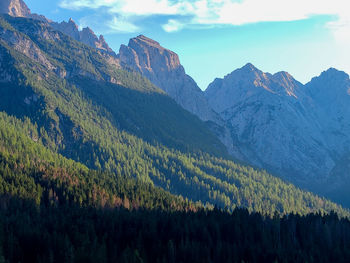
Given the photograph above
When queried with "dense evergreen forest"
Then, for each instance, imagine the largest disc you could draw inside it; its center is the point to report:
(50, 233)
(98, 165)
(67, 99)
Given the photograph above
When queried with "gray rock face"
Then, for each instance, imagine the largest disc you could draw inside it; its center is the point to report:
(298, 131)
(330, 101)
(330, 93)
(18, 8)
(162, 67)
(15, 8)
(86, 36)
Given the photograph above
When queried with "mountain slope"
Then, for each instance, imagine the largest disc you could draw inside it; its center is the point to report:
(330, 105)
(298, 132)
(330, 94)
(86, 36)
(269, 123)
(15, 8)
(33, 173)
(68, 64)
(110, 119)
(162, 67)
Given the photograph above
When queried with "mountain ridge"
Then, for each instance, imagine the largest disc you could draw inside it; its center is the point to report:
(284, 126)
(116, 121)
(162, 67)
(86, 35)
(246, 135)
(18, 8)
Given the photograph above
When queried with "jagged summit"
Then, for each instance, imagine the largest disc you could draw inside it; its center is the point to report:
(15, 8)
(283, 74)
(249, 81)
(18, 8)
(150, 55)
(334, 73)
(249, 67)
(147, 40)
(249, 71)
(86, 35)
(290, 84)
(163, 68)
(332, 84)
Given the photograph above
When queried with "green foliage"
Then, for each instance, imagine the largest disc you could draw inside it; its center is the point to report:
(29, 171)
(98, 165)
(112, 120)
(73, 234)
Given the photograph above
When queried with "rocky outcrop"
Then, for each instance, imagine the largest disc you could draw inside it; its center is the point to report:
(25, 46)
(301, 132)
(18, 8)
(15, 8)
(330, 102)
(86, 36)
(162, 67)
(269, 123)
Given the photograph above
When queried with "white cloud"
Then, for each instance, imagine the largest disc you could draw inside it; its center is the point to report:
(220, 12)
(121, 25)
(110, 24)
(173, 26)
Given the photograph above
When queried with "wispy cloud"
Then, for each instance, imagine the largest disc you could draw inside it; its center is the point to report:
(121, 25)
(173, 26)
(217, 12)
(111, 24)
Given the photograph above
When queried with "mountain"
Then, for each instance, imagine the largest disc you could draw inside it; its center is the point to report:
(86, 36)
(162, 67)
(97, 164)
(109, 119)
(299, 132)
(18, 8)
(15, 8)
(330, 94)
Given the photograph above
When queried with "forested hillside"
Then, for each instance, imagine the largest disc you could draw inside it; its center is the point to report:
(82, 107)
(99, 165)
(53, 209)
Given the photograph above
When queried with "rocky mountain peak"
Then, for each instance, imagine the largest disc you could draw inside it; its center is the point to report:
(147, 41)
(331, 84)
(162, 67)
(69, 28)
(86, 36)
(71, 21)
(247, 82)
(286, 81)
(18, 8)
(15, 8)
(284, 75)
(249, 67)
(333, 74)
(88, 30)
(150, 56)
(250, 73)
(271, 122)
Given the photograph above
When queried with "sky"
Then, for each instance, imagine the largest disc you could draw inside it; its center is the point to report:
(215, 37)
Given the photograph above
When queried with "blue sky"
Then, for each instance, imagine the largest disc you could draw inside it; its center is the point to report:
(214, 37)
